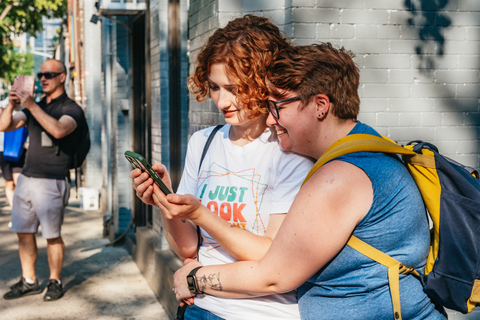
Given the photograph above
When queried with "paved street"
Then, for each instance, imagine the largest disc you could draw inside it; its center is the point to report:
(101, 283)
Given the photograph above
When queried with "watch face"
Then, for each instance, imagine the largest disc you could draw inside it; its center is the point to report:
(190, 282)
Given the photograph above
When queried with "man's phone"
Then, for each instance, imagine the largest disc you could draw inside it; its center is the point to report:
(139, 162)
(24, 83)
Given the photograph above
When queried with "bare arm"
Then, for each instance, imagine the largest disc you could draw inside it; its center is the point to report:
(57, 128)
(318, 225)
(239, 243)
(181, 233)
(8, 121)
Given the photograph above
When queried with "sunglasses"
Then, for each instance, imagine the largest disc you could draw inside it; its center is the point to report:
(273, 106)
(48, 75)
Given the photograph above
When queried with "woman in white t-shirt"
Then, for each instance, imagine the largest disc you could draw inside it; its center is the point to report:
(245, 183)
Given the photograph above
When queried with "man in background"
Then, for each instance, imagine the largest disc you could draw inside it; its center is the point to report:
(43, 187)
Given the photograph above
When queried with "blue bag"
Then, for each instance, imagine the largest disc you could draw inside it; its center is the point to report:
(14, 144)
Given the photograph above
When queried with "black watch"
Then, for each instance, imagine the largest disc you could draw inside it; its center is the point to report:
(192, 281)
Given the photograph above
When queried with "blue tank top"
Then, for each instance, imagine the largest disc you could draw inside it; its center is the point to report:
(352, 286)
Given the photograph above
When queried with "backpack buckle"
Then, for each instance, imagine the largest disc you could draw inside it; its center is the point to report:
(407, 269)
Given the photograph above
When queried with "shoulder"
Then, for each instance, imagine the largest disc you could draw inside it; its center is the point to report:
(203, 134)
(342, 187)
(339, 177)
(70, 104)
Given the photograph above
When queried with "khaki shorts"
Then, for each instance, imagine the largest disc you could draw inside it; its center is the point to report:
(37, 202)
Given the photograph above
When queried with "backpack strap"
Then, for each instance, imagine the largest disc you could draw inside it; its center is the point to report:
(358, 143)
(394, 269)
(207, 144)
(204, 153)
(370, 143)
(74, 160)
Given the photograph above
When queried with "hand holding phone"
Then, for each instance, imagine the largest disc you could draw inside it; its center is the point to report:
(139, 162)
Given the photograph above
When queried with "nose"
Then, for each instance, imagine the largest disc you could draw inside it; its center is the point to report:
(224, 99)
(271, 121)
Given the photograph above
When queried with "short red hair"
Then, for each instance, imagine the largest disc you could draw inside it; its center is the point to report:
(318, 68)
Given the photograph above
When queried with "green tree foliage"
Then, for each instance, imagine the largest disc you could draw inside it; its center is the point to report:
(20, 64)
(19, 17)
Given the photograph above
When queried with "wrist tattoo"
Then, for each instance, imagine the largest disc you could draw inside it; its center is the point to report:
(212, 281)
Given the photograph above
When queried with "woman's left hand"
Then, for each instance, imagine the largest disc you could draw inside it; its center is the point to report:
(182, 293)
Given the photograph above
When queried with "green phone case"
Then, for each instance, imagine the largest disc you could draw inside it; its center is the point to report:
(139, 162)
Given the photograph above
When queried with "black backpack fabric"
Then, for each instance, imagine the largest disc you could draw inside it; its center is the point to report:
(82, 141)
(83, 145)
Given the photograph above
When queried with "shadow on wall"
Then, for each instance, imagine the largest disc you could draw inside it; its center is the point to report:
(459, 97)
(428, 17)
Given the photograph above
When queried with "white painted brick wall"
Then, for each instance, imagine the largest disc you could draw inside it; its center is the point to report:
(436, 93)
(435, 89)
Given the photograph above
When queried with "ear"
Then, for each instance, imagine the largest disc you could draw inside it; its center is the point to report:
(322, 105)
(63, 77)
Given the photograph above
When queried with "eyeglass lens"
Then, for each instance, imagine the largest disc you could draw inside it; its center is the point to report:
(272, 108)
(48, 75)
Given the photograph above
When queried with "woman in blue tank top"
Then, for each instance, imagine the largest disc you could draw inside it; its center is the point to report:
(314, 102)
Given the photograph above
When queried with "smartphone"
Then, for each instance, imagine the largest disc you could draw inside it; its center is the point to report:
(139, 162)
(25, 83)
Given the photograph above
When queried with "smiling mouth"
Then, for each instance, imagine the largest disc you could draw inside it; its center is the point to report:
(281, 131)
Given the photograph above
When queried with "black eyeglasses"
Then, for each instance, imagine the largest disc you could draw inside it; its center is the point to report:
(273, 108)
(48, 75)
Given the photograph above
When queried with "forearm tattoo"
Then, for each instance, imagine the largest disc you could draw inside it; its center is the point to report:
(212, 281)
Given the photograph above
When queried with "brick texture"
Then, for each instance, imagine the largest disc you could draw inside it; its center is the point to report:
(415, 61)
(419, 64)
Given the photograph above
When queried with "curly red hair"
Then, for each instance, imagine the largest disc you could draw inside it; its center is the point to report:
(246, 46)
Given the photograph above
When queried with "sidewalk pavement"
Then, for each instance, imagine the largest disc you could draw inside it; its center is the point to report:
(101, 283)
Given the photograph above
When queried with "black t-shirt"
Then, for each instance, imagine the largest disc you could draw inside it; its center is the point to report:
(48, 157)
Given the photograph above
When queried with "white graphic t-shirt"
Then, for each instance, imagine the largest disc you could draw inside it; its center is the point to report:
(243, 185)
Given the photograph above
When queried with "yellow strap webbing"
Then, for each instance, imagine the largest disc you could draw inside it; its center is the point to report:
(358, 143)
(475, 296)
(394, 268)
